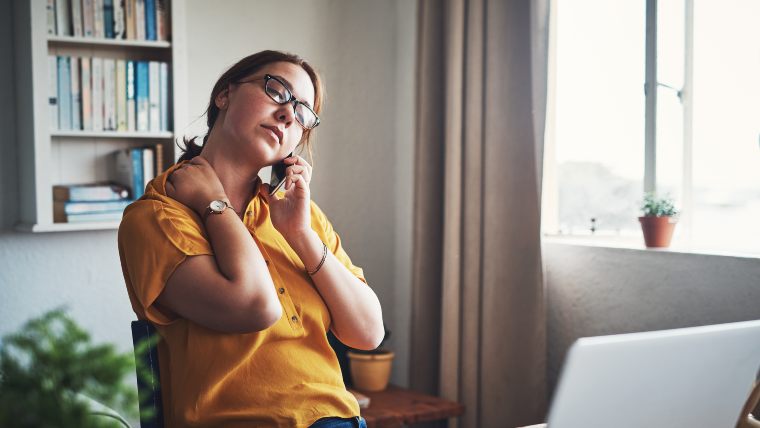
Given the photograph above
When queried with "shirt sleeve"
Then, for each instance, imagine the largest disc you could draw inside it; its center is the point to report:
(154, 238)
(330, 237)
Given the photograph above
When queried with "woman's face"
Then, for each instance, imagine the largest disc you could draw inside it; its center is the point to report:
(267, 131)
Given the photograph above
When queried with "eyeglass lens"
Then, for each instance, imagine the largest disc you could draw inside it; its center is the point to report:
(281, 95)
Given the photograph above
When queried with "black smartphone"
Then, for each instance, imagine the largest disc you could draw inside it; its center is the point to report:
(278, 176)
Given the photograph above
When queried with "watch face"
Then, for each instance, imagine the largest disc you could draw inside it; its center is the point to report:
(217, 206)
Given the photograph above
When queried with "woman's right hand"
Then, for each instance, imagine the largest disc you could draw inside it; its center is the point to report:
(195, 184)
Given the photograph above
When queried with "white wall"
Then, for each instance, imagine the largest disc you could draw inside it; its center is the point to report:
(594, 291)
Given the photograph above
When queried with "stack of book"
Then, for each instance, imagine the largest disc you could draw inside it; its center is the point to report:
(105, 94)
(132, 170)
(94, 202)
(111, 19)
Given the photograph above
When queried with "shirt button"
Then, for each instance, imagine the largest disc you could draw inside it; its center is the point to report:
(282, 290)
(294, 318)
(249, 213)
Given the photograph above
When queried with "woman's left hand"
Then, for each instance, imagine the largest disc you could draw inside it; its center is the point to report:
(291, 214)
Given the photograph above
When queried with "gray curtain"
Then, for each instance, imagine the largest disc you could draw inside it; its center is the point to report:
(478, 327)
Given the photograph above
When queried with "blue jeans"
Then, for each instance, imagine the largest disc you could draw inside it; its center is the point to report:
(355, 422)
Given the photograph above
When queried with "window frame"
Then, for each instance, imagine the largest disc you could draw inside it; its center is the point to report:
(550, 191)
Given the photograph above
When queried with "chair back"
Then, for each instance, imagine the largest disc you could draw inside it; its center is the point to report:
(145, 340)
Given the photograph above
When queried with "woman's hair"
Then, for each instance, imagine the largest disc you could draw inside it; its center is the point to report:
(242, 69)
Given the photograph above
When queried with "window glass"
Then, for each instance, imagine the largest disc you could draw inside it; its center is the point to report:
(599, 125)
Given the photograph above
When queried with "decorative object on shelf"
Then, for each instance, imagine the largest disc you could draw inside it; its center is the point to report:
(371, 370)
(658, 220)
(53, 375)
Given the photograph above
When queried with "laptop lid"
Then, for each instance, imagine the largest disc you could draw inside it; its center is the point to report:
(691, 378)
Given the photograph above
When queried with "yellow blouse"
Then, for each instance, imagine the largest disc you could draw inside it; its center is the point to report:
(284, 376)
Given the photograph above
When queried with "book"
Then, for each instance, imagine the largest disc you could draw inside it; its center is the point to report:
(76, 95)
(129, 6)
(88, 24)
(159, 158)
(131, 106)
(50, 10)
(86, 89)
(97, 93)
(154, 98)
(164, 96)
(140, 19)
(150, 20)
(141, 96)
(89, 217)
(149, 165)
(162, 20)
(121, 95)
(76, 18)
(119, 25)
(108, 18)
(53, 91)
(109, 94)
(64, 93)
(97, 18)
(127, 170)
(62, 18)
(79, 207)
(90, 192)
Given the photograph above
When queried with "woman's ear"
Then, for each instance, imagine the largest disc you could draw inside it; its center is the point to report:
(222, 99)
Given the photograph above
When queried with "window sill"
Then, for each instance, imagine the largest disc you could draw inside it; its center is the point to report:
(637, 243)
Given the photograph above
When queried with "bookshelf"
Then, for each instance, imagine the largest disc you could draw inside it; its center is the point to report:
(50, 156)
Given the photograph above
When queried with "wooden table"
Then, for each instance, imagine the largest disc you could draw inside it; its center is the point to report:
(398, 406)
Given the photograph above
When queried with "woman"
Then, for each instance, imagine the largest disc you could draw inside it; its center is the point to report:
(243, 286)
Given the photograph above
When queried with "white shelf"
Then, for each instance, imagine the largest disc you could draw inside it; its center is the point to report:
(111, 134)
(68, 227)
(48, 156)
(93, 41)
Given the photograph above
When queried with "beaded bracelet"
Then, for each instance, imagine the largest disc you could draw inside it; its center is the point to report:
(324, 257)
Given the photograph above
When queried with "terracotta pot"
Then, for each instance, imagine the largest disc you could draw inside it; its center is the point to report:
(370, 372)
(658, 231)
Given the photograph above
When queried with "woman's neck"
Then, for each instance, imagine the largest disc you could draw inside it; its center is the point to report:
(239, 179)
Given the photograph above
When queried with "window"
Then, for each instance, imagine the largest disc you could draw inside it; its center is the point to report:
(706, 114)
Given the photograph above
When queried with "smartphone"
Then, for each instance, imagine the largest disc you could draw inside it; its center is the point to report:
(278, 176)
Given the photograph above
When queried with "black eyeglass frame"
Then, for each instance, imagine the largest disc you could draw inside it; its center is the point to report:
(292, 100)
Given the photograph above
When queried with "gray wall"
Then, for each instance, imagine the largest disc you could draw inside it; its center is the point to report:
(594, 291)
(364, 50)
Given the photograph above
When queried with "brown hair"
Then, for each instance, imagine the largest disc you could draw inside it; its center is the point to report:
(242, 69)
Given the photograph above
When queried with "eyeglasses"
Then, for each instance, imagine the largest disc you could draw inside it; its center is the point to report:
(279, 93)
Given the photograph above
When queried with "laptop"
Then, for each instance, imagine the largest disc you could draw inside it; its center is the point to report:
(695, 377)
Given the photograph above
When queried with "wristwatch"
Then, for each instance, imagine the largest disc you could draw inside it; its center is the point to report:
(216, 207)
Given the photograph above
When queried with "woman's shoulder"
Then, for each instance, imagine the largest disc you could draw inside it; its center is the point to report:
(151, 218)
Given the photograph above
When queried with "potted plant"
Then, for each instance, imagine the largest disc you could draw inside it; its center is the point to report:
(659, 218)
(51, 374)
(371, 370)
